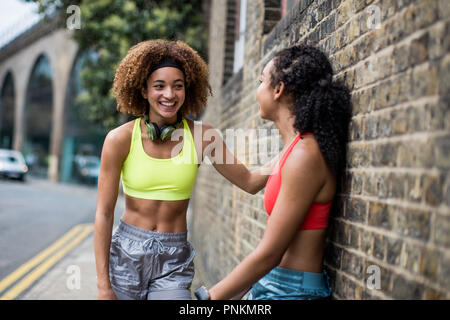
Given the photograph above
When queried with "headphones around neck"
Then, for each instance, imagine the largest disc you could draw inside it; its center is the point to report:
(165, 132)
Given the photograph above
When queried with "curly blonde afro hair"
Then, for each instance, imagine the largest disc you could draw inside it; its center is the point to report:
(133, 71)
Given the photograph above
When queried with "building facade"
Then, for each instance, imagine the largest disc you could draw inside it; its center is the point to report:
(39, 80)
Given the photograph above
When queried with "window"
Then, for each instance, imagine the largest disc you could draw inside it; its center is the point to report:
(286, 5)
(239, 41)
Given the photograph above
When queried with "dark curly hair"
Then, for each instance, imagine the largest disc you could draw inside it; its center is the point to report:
(320, 105)
(133, 71)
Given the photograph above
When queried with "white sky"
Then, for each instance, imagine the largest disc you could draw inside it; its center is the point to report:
(15, 17)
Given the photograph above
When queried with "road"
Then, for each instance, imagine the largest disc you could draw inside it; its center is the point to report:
(35, 214)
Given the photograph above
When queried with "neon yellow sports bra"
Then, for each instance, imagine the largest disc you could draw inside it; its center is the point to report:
(159, 179)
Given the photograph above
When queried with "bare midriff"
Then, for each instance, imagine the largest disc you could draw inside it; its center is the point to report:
(305, 253)
(156, 215)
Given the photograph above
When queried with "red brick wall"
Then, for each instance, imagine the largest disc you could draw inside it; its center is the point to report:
(394, 210)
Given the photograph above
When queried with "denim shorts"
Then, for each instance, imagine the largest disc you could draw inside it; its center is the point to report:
(146, 264)
(285, 284)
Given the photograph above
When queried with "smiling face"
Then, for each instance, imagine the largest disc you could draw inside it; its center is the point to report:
(165, 93)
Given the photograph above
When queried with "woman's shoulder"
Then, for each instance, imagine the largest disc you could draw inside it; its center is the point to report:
(119, 138)
(202, 134)
(305, 155)
(307, 166)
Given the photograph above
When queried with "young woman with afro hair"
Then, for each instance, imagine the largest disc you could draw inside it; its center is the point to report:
(312, 113)
(157, 156)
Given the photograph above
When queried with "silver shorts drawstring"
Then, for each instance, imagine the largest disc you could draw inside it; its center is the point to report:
(147, 244)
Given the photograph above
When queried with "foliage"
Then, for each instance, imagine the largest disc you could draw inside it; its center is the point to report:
(109, 28)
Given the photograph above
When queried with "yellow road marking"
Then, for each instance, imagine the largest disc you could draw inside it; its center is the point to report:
(41, 269)
(10, 279)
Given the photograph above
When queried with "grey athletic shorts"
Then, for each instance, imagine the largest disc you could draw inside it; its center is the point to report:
(148, 265)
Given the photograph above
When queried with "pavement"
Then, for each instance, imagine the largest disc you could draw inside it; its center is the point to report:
(73, 276)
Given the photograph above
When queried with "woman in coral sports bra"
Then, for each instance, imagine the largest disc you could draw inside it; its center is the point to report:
(312, 113)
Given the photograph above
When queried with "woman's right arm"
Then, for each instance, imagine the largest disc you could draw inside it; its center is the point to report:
(113, 154)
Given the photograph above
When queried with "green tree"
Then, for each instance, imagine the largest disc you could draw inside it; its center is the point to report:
(109, 28)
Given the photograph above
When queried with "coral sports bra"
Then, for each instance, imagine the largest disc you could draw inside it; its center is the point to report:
(317, 216)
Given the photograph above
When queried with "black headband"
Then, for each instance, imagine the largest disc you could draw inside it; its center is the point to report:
(167, 62)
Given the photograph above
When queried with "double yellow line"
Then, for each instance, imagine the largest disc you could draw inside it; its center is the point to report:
(44, 260)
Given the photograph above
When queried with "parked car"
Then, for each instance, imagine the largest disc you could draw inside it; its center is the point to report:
(87, 168)
(12, 164)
